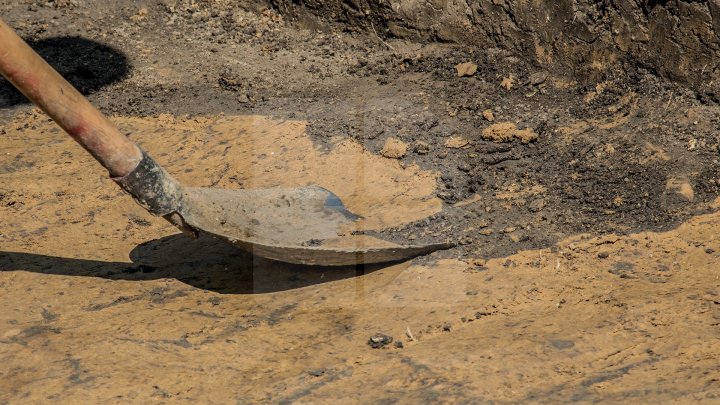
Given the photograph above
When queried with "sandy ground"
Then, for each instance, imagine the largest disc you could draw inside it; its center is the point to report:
(587, 261)
(106, 304)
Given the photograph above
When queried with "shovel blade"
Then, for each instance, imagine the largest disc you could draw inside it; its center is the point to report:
(362, 253)
(306, 225)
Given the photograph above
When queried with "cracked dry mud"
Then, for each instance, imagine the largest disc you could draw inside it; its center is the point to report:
(587, 265)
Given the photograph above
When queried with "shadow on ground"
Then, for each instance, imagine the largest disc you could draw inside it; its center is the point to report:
(86, 64)
(206, 263)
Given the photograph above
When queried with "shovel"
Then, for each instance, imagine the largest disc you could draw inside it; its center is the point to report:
(306, 225)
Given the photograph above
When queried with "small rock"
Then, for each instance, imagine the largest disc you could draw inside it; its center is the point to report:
(243, 98)
(394, 149)
(509, 229)
(486, 232)
(448, 197)
(378, 341)
(603, 255)
(488, 115)
(456, 142)
(446, 327)
(399, 344)
(709, 251)
(421, 148)
(466, 69)
(538, 78)
(508, 82)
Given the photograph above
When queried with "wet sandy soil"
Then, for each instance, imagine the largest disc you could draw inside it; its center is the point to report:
(587, 265)
(103, 303)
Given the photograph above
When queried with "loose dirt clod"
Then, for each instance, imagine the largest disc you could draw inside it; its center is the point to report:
(457, 142)
(394, 149)
(506, 132)
(507, 82)
(526, 135)
(500, 132)
(466, 69)
(488, 115)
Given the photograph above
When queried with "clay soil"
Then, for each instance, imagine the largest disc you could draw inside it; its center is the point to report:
(584, 214)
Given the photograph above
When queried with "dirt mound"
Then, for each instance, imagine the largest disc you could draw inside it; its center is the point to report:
(678, 38)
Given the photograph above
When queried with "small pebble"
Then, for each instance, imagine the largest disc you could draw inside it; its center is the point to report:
(379, 340)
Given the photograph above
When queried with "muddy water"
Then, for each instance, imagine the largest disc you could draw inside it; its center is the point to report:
(102, 303)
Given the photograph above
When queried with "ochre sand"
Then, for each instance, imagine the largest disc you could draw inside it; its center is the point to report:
(103, 303)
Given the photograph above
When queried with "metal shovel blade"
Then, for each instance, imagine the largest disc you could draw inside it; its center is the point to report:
(307, 225)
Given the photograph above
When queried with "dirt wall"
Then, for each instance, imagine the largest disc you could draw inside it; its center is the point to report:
(679, 39)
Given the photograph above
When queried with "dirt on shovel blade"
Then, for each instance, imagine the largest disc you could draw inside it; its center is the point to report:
(570, 152)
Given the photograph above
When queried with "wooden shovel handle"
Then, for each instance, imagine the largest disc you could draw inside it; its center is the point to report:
(39, 82)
